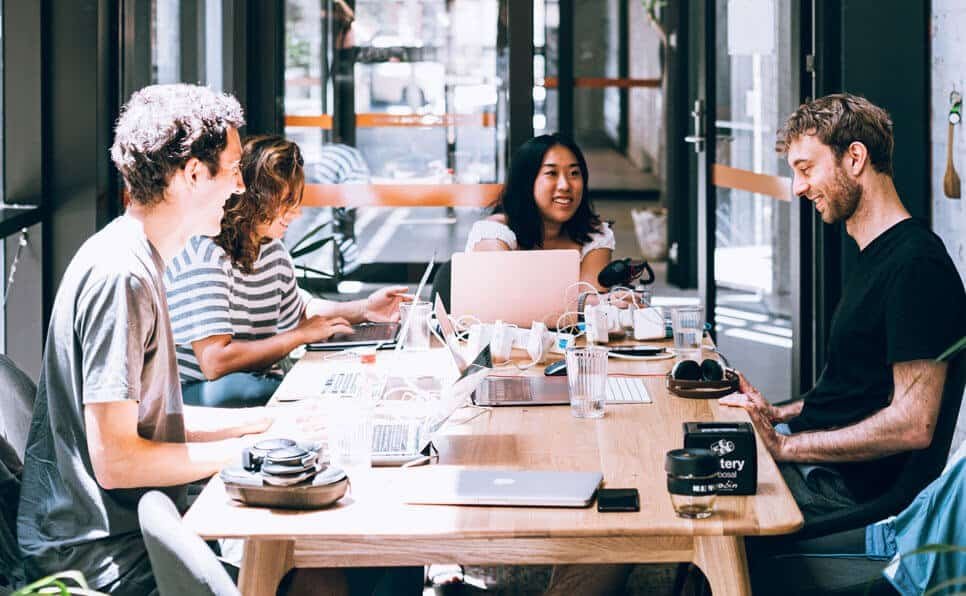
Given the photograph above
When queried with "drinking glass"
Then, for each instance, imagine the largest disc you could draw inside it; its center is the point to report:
(417, 333)
(688, 325)
(350, 433)
(587, 378)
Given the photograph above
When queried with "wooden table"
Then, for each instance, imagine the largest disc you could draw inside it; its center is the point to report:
(372, 527)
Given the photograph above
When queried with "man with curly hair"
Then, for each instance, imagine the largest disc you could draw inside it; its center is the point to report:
(109, 423)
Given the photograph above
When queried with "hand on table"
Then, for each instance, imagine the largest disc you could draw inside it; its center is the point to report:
(763, 415)
(748, 397)
(304, 422)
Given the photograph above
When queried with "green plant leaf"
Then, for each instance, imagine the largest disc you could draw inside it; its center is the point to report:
(64, 583)
(936, 548)
(955, 349)
(946, 584)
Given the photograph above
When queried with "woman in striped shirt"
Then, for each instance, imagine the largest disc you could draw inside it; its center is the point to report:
(236, 311)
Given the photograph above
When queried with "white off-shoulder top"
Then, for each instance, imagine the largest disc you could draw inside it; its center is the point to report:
(487, 229)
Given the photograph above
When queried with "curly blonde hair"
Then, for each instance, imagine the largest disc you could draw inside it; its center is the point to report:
(274, 182)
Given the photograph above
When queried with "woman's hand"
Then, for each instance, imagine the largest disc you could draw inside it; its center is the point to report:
(382, 306)
(313, 329)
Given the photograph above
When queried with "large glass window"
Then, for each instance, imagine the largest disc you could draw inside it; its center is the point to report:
(393, 93)
(187, 42)
(412, 85)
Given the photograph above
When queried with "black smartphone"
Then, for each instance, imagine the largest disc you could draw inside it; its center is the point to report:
(637, 350)
(618, 499)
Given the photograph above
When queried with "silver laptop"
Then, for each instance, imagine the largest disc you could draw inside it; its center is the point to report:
(382, 335)
(523, 488)
(363, 334)
(399, 441)
(550, 391)
(530, 391)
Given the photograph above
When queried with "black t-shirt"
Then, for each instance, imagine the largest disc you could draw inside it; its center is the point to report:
(905, 301)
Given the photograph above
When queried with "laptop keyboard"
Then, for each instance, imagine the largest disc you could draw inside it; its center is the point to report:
(367, 333)
(627, 390)
(341, 384)
(394, 439)
(513, 390)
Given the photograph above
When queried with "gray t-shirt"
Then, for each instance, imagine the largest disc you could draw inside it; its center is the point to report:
(109, 340)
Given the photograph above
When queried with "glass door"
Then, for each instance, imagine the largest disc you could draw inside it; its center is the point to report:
(601, 84)
(746, 221)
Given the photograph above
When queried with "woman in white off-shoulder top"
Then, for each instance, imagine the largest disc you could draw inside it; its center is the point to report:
(544, 206)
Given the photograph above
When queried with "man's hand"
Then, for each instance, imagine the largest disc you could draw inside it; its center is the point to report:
(317, 328)
(772, 439)
(382, 306)
(749, 398)
(304, 421)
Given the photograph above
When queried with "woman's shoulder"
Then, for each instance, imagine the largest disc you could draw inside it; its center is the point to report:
(602, 238)
(202, 250)
(492, 228)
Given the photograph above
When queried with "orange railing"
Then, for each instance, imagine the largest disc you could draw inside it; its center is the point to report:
(401, 195)
(324, 121)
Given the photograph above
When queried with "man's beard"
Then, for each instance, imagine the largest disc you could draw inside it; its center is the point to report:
(843, 198)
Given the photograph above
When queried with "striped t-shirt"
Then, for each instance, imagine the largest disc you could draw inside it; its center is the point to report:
(207, 296)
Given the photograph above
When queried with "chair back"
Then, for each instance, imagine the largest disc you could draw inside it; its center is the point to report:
(17, 405)
(182, 562)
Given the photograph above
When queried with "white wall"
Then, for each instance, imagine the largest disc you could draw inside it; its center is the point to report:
(948, 73)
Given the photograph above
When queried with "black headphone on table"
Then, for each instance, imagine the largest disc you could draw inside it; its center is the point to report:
(690, 370)
(706, 380)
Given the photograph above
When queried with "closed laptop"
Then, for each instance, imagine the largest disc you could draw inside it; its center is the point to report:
(523, 488)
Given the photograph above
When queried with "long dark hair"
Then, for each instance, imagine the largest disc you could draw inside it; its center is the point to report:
(519, 205)
(274, 180)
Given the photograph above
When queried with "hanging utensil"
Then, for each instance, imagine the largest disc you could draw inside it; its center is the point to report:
(951, 185)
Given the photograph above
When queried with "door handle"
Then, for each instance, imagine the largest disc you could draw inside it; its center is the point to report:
(698, 137)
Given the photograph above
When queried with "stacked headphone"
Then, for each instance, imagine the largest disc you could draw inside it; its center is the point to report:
(283, 473)
(705, 380)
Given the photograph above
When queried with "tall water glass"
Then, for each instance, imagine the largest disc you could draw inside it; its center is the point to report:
(688, 325)
(417, 333)
(587, 378)
(350, 433)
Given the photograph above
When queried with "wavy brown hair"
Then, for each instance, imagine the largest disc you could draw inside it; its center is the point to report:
(274, 181)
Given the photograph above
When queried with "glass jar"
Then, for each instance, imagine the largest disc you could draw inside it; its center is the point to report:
(692, 480)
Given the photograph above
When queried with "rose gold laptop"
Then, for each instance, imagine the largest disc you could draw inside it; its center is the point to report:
(519, 286)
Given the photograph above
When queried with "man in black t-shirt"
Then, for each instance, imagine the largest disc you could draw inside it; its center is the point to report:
(878, 396)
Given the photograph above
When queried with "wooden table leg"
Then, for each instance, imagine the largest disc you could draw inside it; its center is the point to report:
(722, 559)
(264, 564)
